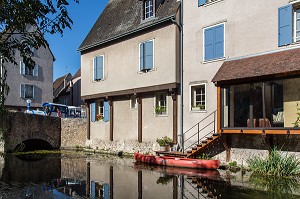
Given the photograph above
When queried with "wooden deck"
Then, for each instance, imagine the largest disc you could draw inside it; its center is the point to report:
(267, 131)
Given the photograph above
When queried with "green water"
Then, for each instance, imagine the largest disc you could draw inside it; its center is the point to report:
(78, 175)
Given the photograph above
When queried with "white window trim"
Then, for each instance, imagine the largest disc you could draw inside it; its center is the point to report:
(139, 67)
(146, 18)
(167, 104)
(99, 100)
(130, 104)
(93, 68)
(190, 98)
(295, 24)
(203, 45)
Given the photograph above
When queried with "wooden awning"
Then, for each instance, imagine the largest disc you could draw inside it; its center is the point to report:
(255, 68)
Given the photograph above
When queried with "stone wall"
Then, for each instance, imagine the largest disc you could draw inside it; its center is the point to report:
(73, 133)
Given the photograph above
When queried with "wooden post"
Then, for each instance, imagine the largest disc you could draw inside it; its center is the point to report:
(88, 127)
(140, 184)
(111, 182)
(140, 117)
(111, 119)
(218, 109)
(88, 179)
(175, 187)
(175, 112)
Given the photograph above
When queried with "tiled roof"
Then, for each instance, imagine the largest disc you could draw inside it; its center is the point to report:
(77, 74)
(123, 17)
(58, 81)
(276, 64)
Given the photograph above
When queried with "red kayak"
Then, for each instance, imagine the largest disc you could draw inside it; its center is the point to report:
(177, 162)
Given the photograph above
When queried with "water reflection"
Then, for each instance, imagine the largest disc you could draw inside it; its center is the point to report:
(95, 176)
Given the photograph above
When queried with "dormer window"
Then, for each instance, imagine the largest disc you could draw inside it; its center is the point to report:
(148, 9)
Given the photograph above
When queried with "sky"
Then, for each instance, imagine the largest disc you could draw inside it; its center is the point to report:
(64, 48)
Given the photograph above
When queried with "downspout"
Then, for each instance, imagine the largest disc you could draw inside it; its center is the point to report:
(180, 26)
(181, 144)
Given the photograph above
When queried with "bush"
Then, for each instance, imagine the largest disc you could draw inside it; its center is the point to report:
(164, 141)
(277, 164)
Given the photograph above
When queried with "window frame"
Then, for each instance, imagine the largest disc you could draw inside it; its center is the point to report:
(203, 40)
(148, 6)
(34, 72)
(159, 105)
(296, 6)
(191, 100)
(103, 68)
(25, 88)
(98, 108)
(153, 56)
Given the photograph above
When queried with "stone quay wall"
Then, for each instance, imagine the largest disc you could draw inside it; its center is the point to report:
(73, 133)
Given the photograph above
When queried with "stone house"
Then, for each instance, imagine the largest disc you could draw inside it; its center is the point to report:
(130, 72)
(67, 89)
(34, 84)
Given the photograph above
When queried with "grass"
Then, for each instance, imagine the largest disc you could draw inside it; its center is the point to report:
(277, 164)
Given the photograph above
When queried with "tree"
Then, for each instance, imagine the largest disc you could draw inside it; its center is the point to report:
(48, 16)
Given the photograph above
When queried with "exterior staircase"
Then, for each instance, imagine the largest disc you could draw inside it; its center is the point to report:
(198, 147)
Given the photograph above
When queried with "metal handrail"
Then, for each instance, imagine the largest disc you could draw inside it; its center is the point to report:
(200, 130)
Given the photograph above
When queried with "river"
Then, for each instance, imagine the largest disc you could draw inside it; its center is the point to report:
(80, 175)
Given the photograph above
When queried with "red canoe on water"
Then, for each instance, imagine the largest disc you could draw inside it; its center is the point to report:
(177, 162)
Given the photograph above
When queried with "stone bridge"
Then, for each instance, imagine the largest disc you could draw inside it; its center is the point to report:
(26, 131)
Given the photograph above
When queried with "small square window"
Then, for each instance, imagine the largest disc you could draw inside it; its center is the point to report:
(148, 6)
(27, 91)
(161, 104)
(133, 102)
(198, 97)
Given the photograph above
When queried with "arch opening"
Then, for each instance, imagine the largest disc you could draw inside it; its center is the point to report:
(33, 144)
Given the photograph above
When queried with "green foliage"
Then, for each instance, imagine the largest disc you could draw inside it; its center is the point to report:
(164, 141)
(232, 164)
(277, 164)
(276, 187)
(297, 122)
(164, 180)
(204, 156)
(16, 17)
(160, 110)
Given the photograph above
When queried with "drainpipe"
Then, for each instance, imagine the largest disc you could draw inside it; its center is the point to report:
(181, 78)
(180, 26)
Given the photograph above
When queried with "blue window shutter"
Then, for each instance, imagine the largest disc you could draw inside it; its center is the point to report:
(95, 68)
(36, 71)
(106, 111)
(93, 190)
(142, 56)
(99, 74)
(219, 41)
(106, 191)
(209, 44)
(285, 25)
(93, 111)
(201, 2)
(148, 55)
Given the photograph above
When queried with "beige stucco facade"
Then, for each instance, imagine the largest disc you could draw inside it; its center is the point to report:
(122, 74)
(43, 83)
(121, 63)
(250, 27)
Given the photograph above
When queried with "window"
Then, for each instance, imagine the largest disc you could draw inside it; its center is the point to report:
(214, 42)
(133, 102)
(98, 68)
(26, 91)
(297, 24)
(198, 97)
(146, 56)
(100, 110)
(24, 70)
(161, 104)
(288, 24)
(148, 9)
